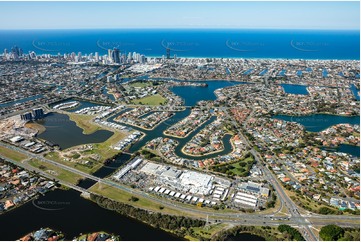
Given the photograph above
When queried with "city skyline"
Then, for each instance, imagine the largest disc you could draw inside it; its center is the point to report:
(150, 15)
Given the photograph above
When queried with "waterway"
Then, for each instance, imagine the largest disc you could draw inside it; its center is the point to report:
(105, 92)
(191, 95)
(106, 170)
(282, 72)
(66, 211)
(344, 148)
(64, 132)
(319, 122)
(22, 100)
(355, 92)
(77, 215)
(295, 89)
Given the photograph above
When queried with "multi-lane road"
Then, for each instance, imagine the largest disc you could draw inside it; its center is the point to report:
(304, 223)
(236, 218)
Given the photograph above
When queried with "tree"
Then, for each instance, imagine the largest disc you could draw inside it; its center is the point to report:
(326, 210)
(291, 233)
(331, 232)
(134, 199)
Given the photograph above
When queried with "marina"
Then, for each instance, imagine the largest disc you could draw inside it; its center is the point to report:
(67, 105)
(80, 104)
(199, 121)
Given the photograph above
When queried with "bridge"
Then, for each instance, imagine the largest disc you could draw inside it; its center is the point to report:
(215, 216)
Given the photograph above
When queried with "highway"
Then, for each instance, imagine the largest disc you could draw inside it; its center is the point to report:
(215, 216)
(282, 196)
(44, 174)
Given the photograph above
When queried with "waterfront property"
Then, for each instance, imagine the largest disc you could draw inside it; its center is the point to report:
(245, 133)
(18, 186)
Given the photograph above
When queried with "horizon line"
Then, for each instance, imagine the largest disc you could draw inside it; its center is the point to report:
(186, 28)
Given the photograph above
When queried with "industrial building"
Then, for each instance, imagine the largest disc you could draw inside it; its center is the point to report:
(254, 189)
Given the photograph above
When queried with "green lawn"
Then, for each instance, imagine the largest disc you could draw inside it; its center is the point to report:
(12, 154)
(61, 174)
(84, 122)
(151, 100)
(239, 168)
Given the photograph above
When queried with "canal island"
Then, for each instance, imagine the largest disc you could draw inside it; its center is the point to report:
(214, 149)
(180, 121)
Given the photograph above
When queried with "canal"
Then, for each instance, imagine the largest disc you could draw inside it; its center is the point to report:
(352, 150)
(319, 122)
(191, 95)
(22, 100)
(295, 89)
(68, 212)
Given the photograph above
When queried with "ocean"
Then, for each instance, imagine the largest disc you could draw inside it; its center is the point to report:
(211, 43)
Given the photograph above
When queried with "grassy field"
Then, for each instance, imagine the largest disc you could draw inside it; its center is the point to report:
(104, 149)
(12, 154)
(239, 168)
(61, 174)
(84, 168)
(151, 100)
(206, 232)
(84, 122)
(308, 202)
(336, 220)
(122, 196)
(236, 169)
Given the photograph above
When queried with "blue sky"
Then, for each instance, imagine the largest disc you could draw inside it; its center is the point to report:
(267, 15)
